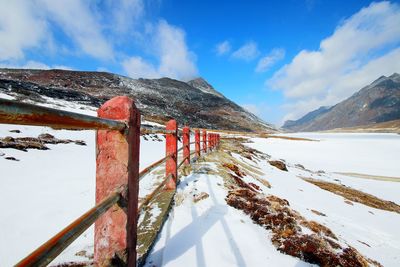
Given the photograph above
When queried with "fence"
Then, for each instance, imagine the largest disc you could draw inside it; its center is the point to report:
(117, 174)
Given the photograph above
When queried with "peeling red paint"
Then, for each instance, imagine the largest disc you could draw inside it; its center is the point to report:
(186, 144)
(171, 149)
(197, 142)
(117, 164)
(205, 141)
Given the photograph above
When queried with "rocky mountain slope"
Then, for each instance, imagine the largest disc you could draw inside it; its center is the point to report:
(375, 103)
(195, 103)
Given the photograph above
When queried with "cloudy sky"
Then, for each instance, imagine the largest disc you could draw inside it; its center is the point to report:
(278, 59)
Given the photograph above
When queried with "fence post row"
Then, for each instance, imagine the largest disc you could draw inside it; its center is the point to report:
(117, 165)
(197, 142)
(171, 150)
(117, 175)
(186, 144)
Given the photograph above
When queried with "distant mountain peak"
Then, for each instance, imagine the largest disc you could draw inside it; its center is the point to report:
(375, 103)
(201, 84)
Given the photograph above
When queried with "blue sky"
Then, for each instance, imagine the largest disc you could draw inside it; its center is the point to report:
(279, 59)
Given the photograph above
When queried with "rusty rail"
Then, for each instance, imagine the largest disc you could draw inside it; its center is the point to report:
(183, 161)
(148, 130)
(14, 112)
(150, 196)
(152, 166)
(47, 252)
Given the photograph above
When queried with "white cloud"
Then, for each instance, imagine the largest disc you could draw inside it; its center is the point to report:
(95, 32)
(174, 57)
(20, 29)
(269, 60)
(125, 14)
(137, 67)
(362, 48)
(79, 22)
(223, 48)
(247, 52)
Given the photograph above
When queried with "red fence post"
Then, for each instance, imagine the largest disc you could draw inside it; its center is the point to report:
(209, 142)
(186, 144)
(197, 142)
(171, 149)
(213, 140)
(117, 164)
(205, 141)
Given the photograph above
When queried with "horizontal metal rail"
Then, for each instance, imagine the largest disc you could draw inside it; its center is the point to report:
(150, 196)
(149, 130)
(152, 166)
(183, 160)
(53, 247)
(14, 112)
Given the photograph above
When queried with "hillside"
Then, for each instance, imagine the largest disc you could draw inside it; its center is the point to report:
(195, 103)
(376, 103)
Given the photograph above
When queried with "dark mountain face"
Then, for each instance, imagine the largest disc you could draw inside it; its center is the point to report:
(305, 119)
(195, 103)
(375, 103)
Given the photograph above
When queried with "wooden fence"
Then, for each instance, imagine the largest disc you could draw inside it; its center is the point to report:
(117, 174)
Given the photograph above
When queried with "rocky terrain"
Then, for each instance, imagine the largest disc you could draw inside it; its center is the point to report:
(376, 103)
(195, 103)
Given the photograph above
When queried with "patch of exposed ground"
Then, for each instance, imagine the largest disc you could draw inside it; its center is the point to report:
(355, 195)
(274, 214)
(25, 143)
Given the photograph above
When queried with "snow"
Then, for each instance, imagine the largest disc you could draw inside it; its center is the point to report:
(46, 190)
(354, 224)
(366, 153)
(210, 233)
(5, 96)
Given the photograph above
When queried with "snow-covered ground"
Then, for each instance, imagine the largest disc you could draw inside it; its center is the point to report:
(365, 153)
(46, 190)
(210, 233)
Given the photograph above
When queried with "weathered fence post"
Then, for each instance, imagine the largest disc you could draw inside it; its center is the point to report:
(209, 142)
(117, 165)
(205, 141)
(186, 144)
(197, 142)
(171, 149)
(213, 140)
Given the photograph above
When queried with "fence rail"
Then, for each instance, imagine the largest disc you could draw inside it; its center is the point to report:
(117, 178)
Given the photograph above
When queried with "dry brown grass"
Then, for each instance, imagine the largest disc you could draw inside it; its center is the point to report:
(355, 195)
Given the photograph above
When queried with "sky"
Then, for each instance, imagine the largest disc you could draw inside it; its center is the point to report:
(278, 59)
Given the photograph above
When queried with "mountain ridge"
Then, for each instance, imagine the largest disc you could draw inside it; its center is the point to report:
(195, 103)
(375, 103)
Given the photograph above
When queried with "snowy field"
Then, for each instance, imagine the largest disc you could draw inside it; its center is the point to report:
(46, 190)
(210, 233)
(365, 153)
